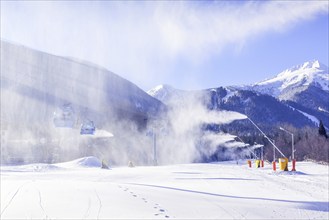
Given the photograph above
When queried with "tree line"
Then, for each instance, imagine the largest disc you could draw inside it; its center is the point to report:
(309, 143)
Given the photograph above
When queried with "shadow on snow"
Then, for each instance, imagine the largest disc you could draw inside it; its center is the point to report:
(315, 206)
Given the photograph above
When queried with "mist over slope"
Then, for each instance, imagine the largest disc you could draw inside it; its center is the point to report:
(37, 87)
(49, 104)
(55, 80)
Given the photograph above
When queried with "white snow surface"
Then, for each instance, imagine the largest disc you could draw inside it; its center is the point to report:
(81, 190)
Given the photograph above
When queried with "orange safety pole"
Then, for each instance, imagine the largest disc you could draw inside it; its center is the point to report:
(249, 163)
(293, 165)
(262, 162)
(274, 165)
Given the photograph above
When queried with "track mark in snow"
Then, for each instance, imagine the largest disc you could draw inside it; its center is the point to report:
(12, 198)
(40, 204)
(133, 194)
(100, 204)
(219, 206)
(161, 211)
(88, 209)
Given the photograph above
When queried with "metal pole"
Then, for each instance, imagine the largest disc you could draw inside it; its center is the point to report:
(262, 160)
(248, 148)
(292, 142)
(266, 137)
(274, 151)
(293, 147)
(154, 148)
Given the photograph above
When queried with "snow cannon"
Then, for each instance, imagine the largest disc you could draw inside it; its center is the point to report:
(130, 164)
(274, 166)
(104, 165)
(283, 163)
(249, 163)
(88, 128)
(293, 165)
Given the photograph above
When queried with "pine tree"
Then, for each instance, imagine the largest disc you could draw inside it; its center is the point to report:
(322, 130)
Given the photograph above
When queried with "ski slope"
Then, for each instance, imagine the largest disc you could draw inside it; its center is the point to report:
(81, 190)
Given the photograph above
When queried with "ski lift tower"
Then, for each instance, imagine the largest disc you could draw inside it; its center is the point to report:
(155, 127)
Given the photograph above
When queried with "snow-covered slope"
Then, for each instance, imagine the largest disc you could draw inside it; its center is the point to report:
(311, 73)
(226, 190)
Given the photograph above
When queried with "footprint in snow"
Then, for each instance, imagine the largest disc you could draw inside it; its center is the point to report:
(166, 216)
(161, 211)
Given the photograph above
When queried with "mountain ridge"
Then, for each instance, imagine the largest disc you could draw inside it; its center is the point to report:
(310, 73)
(304, 87)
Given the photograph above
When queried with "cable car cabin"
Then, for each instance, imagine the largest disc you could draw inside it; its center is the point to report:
(64, 117)
(88, 128)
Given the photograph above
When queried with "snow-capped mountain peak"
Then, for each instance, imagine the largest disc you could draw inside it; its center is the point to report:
(315, 64)
(166, 93)
(309, 73)
(307, 68)
(161, 91)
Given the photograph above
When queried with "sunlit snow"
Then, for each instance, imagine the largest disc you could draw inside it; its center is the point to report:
(79, 189)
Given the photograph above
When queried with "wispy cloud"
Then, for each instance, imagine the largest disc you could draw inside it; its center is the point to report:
(194, 31)
(145, 41)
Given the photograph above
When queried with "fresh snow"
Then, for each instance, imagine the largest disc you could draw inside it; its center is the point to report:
(323, 110)
(227, 190)
(311, 117)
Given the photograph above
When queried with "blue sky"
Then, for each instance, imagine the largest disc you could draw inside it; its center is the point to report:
(187, 44)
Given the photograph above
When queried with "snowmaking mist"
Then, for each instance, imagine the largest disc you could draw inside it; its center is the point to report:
(46, 100)
(55, 109)
(185, 138)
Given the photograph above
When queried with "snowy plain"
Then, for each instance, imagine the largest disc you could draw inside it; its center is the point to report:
(226, 190)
